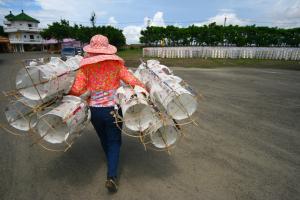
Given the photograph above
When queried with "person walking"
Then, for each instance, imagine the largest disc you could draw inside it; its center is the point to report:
(100, 75)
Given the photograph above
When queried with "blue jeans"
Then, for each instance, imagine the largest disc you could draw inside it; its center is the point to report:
(110, 136)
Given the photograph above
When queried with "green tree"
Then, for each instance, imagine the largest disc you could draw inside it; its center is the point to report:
(215, 35)
(58, 30)
(62, 29)
(2, 33)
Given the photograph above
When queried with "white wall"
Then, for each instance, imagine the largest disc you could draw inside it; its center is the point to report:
(23, 24)
(36, 36)
(24, 37)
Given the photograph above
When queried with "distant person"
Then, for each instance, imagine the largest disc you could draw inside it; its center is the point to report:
(100, 74)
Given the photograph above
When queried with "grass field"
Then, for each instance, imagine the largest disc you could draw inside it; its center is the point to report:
(132, 57)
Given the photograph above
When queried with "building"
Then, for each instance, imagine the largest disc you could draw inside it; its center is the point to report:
(54, 46)
(4, 45)
(23, 32)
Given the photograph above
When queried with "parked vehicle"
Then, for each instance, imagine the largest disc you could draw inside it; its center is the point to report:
(70, 51)
(79, 51)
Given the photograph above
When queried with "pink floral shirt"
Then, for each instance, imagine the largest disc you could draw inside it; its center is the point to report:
(102, 79)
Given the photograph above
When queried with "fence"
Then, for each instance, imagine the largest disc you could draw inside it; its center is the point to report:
(274, 53)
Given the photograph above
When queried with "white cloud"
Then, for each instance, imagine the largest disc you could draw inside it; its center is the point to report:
(231, 18)
(112, 22)
(157, 20)
(285, 13)
(133, 33)
(178, 25)
(76, 11)
(280, 13)
(3, 12)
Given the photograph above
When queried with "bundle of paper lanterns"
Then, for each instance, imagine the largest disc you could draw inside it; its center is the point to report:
(42, 109)
(155, 114)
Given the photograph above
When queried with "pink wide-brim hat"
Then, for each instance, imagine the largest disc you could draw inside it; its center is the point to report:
(99, 45)
(99, 50)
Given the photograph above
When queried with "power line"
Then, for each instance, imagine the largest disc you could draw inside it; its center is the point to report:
(173, 22)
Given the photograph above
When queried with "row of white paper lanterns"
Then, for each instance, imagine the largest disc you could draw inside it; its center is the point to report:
(223, 52)
(165, 90)
(61, 121)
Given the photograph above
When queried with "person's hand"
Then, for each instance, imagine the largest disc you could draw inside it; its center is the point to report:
(85, 95)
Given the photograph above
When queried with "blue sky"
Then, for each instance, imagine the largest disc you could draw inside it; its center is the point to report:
(132, 15)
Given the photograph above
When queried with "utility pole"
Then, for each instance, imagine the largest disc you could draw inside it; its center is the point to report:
(148, 22)
(224, 39)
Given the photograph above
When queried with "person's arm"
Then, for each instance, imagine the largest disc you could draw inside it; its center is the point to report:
(129, 78)
(79, 86)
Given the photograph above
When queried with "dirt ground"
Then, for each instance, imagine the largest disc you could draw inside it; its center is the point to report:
(247, 146)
